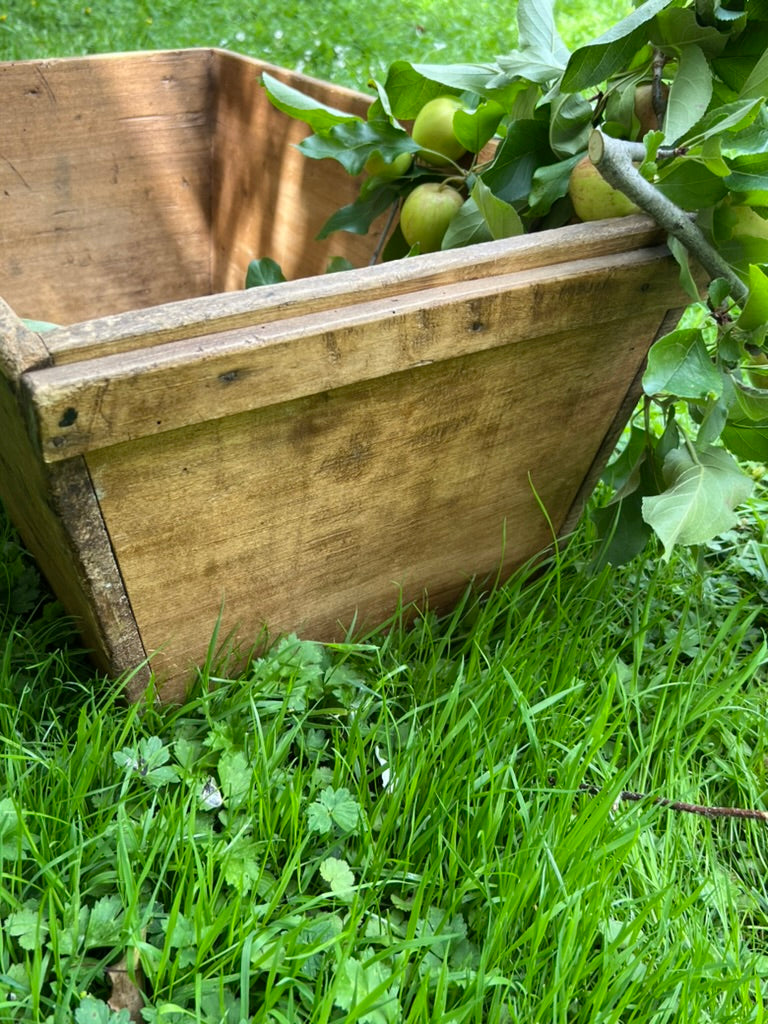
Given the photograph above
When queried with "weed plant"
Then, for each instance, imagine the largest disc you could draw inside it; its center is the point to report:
(394, 829)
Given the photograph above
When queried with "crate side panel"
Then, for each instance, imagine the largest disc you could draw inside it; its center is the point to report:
(81, 406)
(302, 515)
(269, 199)
(104, 183)
(57, 515)
(331, 292)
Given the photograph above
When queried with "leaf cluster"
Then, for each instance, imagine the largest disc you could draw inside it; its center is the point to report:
(525, 120)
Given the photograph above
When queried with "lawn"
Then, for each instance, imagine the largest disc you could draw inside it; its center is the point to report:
(321, 39)
(458, 820)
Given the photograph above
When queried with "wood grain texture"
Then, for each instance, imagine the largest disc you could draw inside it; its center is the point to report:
(317, 512)
(87, 405)
(58, 517)
(212, 314)
(268, 198)
(105, 179)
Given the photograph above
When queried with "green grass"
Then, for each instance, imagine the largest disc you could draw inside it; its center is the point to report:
(392, 830)
(330, 39)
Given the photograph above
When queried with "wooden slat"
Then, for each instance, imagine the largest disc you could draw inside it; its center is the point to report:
(302, 516)
(20, 348)
(105, 179)
(206, 315)
(268, 198)
(56, 512)
(83, 406)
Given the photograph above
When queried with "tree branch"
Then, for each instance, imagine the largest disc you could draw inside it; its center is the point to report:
(614, 159)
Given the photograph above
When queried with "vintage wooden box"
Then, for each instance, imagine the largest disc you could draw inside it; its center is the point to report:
(294, 457)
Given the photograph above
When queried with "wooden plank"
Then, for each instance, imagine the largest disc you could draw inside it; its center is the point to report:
(302, 516)
(105, 178)
(206, 315)
(83, 406)
(57, 515)
(20, 348)
(268, 198)
(608, 445)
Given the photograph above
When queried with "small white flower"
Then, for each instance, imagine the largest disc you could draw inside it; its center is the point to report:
(210, 795)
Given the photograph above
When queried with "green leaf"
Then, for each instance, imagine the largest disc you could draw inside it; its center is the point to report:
(235, 777)
(468, 227)
(689, 94)
(598, 60)
(337, 264)
(105, 922)
(502, 219)
(691, 185)
(40, 325)
(296, 104)
(679, 365)
(677, 27)
(27, 926)
(750, 405)
(742, 52)
(263, 271)
(537, 30)
(408, 90)
(756, 85)
(10, 822)
(700, 499)
(334, 807)
(364, 987)
(522, 151)
(358, 217)
(339, 876)
(570, 124)
(755, 311)
(621, 530)
(728, 122)
(473, 128)
(480, 79)
(351, 144)
(681, 254)
(714, 418)
(542, 55)
(747, 440)
(550, 183)
(96, 1011)
(243, 865)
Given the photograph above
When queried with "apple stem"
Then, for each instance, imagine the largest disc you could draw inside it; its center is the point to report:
(614, 160)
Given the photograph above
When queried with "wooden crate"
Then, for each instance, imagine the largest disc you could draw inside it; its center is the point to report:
(295, 457)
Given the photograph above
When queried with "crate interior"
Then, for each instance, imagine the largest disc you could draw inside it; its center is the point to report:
(133, 180)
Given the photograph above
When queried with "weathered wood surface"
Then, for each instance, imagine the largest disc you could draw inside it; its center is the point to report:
(105, 179)
(268, 199)
(92, 404)
(133, 180)
(210, 314)
(302, 515)
(56, 512)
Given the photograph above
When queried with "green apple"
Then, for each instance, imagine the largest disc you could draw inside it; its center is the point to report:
(377, 167)
(427, 212)
(593, 198)
(433, 130)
